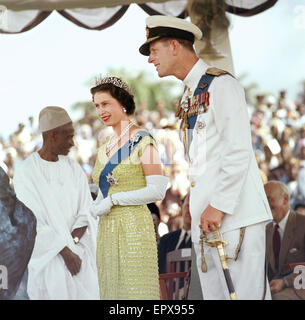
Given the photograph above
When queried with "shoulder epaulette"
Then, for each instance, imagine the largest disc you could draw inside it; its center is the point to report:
(216, 72)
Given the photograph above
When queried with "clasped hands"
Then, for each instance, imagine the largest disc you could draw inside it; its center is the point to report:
(72, 261)
(211, 219)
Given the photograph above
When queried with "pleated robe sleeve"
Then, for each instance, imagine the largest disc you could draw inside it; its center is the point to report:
(49, 241)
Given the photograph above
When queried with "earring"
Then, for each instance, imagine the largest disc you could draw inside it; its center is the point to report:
(124, 110)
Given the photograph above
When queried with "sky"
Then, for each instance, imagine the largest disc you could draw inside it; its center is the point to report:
(52, 63)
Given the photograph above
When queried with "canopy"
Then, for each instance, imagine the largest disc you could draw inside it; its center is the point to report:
(18, 16)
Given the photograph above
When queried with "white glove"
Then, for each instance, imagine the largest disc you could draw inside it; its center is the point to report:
(155, 189)
(100, 206)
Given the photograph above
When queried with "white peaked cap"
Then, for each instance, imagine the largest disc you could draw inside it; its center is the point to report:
(173, 22)
(158, 27)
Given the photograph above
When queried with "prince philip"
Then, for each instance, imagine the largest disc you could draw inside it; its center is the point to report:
(226, 190)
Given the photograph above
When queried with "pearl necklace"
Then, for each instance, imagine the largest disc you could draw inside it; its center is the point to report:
(110, 146)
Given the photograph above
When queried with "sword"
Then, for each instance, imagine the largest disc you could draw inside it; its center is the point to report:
(217, 242)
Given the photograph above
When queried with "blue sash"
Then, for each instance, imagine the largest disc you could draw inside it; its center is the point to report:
(116, 159)
(206, 79)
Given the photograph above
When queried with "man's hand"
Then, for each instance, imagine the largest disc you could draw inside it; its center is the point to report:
(277, 285)
(211, 219)
(79, 232)
(72, 260)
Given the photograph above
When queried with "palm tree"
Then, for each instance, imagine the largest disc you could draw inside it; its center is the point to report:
(143, 87)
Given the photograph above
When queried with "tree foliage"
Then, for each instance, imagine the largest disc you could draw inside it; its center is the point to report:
(144, 87)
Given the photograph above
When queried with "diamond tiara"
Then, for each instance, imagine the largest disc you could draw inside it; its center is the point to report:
(113, 80)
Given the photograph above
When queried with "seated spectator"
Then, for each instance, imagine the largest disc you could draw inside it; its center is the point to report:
(271, 153)
(288, 137)
(302, 154)
(178, 189)
(175, 222)
(292, 185)
(264, 171)
(301, 118)
(301, 178)
(281, 173)
(172, 197)
(300, 208)
(177, 239)
(301, 141)
(285, 243)
(257, 141)
(155, 213)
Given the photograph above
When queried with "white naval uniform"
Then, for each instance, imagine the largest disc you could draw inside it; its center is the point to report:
(224, 174)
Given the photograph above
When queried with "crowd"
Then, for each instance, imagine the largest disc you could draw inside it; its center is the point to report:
(228, 190)
(278, 139)
(89, 135)
(278, 132)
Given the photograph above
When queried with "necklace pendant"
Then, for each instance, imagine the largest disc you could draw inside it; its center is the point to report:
(110, 146)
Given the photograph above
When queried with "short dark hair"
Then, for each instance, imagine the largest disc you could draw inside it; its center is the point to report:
(153, 208)
(126, 99)
(184, 43)
(299, 205)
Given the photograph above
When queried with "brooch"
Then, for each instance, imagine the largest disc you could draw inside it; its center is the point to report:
(135, 138)
(111, 179)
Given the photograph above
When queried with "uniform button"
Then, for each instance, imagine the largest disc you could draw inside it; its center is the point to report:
(191, 161)
(193, 184)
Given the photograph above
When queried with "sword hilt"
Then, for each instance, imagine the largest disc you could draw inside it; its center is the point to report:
(218, 243)
(216, 239)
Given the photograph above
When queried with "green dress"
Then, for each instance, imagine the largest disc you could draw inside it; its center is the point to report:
(126, 245)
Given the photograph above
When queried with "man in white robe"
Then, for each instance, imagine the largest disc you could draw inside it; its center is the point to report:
(55, 188)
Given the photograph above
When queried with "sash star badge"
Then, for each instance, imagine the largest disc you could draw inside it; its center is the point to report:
(111, 179)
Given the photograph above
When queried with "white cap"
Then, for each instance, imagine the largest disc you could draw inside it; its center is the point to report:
(270, 99)
(52, 117)
(158, 27)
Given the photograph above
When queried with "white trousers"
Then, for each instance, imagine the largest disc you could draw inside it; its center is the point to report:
(247, 273)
